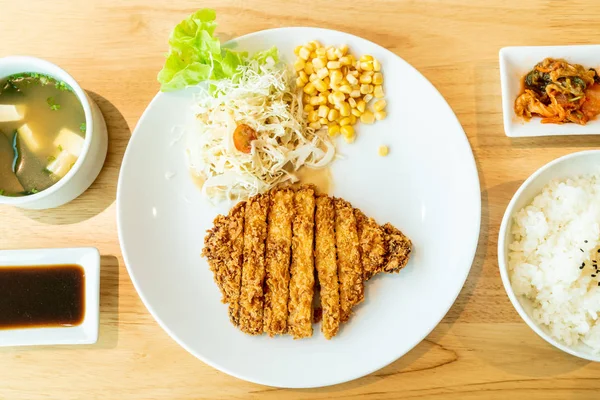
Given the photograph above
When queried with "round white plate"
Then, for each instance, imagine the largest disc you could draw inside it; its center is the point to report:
(427, 187)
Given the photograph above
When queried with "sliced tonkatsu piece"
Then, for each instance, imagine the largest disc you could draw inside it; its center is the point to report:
(302, 279)
(326, 265)
(223, 248)
(253, 268)
(399, 249)
(350, 271)
(279, 244)
(373, 244)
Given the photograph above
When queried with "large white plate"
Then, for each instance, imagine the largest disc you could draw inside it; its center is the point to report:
(427, 186)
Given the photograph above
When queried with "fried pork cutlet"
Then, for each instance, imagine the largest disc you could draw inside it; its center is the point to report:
(302, 280)
(223, 248)
(326, 265)
(266, 252)
(253, 268)
(350, 271)
(279, 243)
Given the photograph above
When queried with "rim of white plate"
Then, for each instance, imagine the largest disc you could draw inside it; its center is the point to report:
(393, 355)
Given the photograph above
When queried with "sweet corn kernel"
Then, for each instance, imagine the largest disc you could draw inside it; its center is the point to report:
(367, 117)
(311, 46)
(377, 78)
(323, 121)
(338, 97)
(368, 73)
(299, 64)
(334, 86)
(322, 73)
(308, 108)
(333, 114)
(366, 89)
(327, 82)
(379, 105)
(309, 88)
(379, 115)
(345, 60)
(331, 54)
(305, 98)
(315, 125)
(304, 53)
(361, 106)
(344, 49)
(322, 99)
(351, 79)
(355, 74)
(320, 85)
(355, 93)
(338, 53)
(318, 63)
(352, 102)
(347, 130)
(313, 54)
(352, 119)
(383, 151)
(323, 111)
(312, 116)
(302, 75)
(344, 109)
(368, 98)
(364, 78)
(356, 112)
(378, 92)
(312, 77)
(321, 52)
(349, 139)
(357, 66)
(345, 121)
(335, 76)
(297, 50)
(346, 89)
(333, 130)
(308, 68)
(376, 65)
(299, 82)
(314, 101)
(330, 98)
(366, 58)
(334, 65)
(366, 65)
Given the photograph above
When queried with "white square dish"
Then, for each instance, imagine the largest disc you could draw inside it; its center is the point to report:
(516, 62)
(86, 332)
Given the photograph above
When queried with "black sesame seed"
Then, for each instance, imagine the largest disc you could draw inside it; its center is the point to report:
(581, 267)
(598, 250)
(585, 241)
(598, 283)
(593, 275)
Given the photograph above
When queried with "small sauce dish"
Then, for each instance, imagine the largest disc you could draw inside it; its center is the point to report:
(91, 151)
(50, 296)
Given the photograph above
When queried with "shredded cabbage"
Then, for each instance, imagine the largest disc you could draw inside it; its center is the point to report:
(261, 95)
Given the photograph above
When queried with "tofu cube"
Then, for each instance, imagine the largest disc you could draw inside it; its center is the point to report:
(69, 141)
(26, 137)
(62, 164)
(11, 113)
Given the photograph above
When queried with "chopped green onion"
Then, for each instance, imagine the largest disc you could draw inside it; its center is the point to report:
(52, 104)
(51, 158)
(60, 148)
(33, 191)
(47, 171)
(83, 127)
(1, 192)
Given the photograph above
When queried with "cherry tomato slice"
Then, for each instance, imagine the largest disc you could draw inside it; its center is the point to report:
(243, 137)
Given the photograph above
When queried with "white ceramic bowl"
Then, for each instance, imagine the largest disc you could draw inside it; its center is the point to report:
(89, 164)
(585, 162)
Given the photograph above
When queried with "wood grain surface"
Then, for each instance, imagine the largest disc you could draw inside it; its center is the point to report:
(114, 49)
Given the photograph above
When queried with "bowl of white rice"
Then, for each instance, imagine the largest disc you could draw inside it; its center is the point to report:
(549, 253)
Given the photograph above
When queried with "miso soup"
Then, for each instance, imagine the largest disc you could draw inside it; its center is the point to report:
(42, 131)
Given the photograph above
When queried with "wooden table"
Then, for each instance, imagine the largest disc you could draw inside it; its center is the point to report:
(114, 49)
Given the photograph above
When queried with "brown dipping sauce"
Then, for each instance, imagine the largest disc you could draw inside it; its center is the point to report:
(42, 296)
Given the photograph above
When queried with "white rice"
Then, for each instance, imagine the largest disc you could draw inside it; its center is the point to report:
(553, 237)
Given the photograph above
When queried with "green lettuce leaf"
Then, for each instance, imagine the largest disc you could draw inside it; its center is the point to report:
(195, 55)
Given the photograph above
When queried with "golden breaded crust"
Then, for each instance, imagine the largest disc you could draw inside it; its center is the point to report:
(223, 248)
(350, 272)
(373, 246)
(326, 265)
(253, 269)
(399, 249)
(279, 242)
(302, 278)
